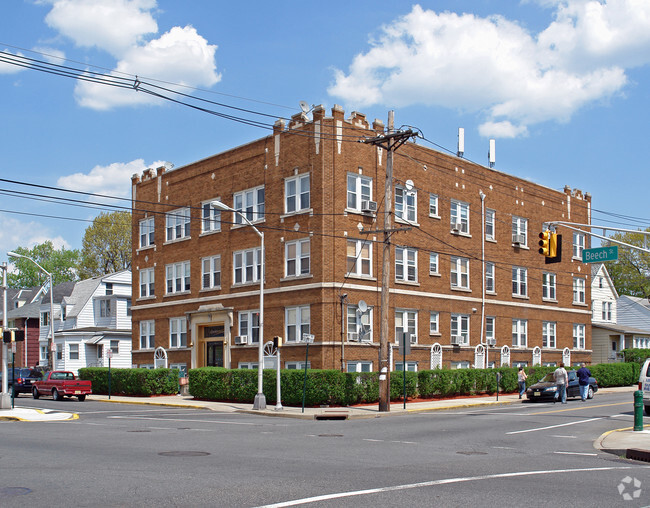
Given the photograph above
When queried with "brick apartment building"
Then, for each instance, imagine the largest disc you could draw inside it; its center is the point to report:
(317, 195)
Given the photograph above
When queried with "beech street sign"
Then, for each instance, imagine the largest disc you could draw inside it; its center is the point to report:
(600, 254)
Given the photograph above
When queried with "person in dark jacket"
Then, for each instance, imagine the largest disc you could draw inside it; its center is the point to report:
(583, 381)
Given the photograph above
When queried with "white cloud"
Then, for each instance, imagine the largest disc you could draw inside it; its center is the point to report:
(55, 56)
(111, 25)
(494, 67)
(111, 180)
(7, 68)
(179, 56)
(17, 233)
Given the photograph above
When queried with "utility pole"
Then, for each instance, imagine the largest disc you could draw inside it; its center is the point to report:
(390, 142)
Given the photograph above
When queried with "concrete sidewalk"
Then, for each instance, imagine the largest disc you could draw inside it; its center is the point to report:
(618, 441)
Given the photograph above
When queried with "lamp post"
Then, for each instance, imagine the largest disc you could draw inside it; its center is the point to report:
(50, 343)
(5, 402)
(260, 399)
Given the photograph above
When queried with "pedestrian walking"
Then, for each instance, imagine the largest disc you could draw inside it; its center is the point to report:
(521, 379)
(561, 379)
(583, 381)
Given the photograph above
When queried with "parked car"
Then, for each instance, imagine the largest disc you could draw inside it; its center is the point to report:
(59, 384)
(20, 380)
(546, 388)
(644, 384)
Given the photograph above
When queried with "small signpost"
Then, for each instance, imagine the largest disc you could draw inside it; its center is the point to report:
(404, 349)
(600, 254)
(307, 338)
(109, 353)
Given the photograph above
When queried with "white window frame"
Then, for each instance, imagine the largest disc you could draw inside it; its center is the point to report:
(460, 327)
(549, 286)
(359, 366)
(459, 272)
(248, 323)
(578, 245)
(406, 264)
(519, 281)
(460, 215)
(246, 266)
(45, 318)
(355, 321)
(490, 327)
(297, 321)
(579, 290)
(177, 278)
(177, 332)
(296, 198)
(147, 232)
(406, 205)
(177, 224)
(298, 262)
(147, 282)
(211, 272)
(578, 336)
(360, 262)
(549, 334)
(490, 281)
(606, 311)
(434, 210)
(520, 227)
(296, 365)
(147, 334)
(359, 188)
(519, 333)
(104, 307)
(406, 321)
(490, 233)
(411, 366)
(210, 217)
(73, 351)
(434, 323)
(434, 263)
(249, 203)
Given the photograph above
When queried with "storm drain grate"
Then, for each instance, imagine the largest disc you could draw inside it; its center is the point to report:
(183, 453)
(636, 454)
(332, 415)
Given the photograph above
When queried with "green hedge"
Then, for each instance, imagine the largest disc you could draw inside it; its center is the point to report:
(615, 374)
(136, 382)
(636, 355)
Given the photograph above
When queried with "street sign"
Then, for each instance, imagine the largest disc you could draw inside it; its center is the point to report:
(600, 254)
(405, 344)
(308, 337)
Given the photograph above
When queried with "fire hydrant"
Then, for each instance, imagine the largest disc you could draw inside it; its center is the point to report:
(638, 410)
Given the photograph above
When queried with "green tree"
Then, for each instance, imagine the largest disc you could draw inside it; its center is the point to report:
(631, 273)
(106, 245)
(62, 264)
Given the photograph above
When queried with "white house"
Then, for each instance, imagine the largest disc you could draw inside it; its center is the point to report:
(92, 323)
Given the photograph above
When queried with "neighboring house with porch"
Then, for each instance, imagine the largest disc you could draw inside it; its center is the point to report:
(93, 319)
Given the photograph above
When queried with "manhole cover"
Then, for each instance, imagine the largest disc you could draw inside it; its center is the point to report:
(472, 453)
(183, 453)
(14, 491)
(330, 435)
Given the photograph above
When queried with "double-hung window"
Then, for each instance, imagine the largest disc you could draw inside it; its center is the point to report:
(146, 282)
(297, 258)
(519, 332)
(178, 224)
(177, 332)
(359, 366)
(104, 308)
(434, 323)
(519, 281)
(406, 321)
(297, 322)
(459, 216)
(211, 272)
(433, 206)
(247, 267)
(178, 277)
(607, 311)
(147, 334)
(548, 334)
(296, 194)
(359, 324)
(490, 328)
(578, 290)
(548, 286)
(489, 277)
(147, 230)
(578, 244)
(519, 230)
(489, 224)
(460, 328)
(359, 189)
(250, 204)
(578, 336)
(459, 272)
(405, 204)
(210, 218)
(74, 351)
(359, 258)
(249, 325)
(434, 263)
(406, 264)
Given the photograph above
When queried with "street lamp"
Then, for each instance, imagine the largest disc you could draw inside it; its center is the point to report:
(260, 399)
(50, 344)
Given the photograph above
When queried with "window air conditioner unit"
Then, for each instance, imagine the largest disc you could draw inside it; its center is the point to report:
(491, 342)
(241, 339)
(414, 338)
(519, 239)
(457, 227)
(353, 337)
(456, 340)
(368, 206)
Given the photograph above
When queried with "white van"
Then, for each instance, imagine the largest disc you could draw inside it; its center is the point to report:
(644, 384)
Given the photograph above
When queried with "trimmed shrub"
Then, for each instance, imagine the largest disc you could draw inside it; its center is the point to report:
(636, 355)
(136, 382)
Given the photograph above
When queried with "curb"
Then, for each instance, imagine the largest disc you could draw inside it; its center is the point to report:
(598, 443)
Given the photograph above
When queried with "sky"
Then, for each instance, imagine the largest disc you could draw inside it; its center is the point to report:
(562, 86)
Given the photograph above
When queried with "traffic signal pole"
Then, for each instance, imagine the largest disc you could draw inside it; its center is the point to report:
(5, 400)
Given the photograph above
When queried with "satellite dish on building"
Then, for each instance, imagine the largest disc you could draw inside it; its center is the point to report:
(304, 106)
(409, 185)
(363, 306)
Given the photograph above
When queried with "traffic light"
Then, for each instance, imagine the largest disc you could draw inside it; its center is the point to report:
(545, 243)
(555, 249)
(6, 336)
(277, 341)
(19, 335)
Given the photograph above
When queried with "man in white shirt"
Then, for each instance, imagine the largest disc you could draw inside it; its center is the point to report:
(561, 379)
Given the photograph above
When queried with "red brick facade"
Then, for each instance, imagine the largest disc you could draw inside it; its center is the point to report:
(326, 149)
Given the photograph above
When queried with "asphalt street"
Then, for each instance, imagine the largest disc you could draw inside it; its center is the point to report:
(125, 455)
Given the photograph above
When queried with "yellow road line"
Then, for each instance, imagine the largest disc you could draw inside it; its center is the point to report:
(582, 407)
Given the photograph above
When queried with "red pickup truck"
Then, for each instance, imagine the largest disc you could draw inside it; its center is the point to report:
(59, 384)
